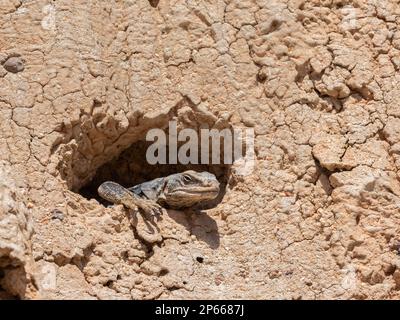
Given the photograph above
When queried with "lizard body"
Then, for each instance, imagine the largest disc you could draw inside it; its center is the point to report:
(180, 190)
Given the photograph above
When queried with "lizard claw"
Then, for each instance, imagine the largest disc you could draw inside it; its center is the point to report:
(150, 207)
(115, 193)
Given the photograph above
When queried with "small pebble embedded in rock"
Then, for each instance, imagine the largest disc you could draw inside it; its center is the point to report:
(57, 214)
(14, 64)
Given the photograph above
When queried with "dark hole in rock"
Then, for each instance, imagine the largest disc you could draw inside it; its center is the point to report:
(358, 217)
(154, 3)
(163, 272)
(109, 283)
(200, 259)
(4, 293)
(131, 168)
(125, 255)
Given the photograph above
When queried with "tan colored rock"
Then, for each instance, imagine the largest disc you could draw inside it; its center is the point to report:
(80, 86)
(16, 261)
(329, 151)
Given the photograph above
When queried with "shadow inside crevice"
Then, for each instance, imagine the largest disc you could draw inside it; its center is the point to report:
(154, 3)
(13, 283)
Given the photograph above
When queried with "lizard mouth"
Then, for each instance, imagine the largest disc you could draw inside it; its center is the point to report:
(210, 191)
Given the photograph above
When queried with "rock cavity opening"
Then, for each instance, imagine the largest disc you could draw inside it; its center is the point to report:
(84, 167)
(131, 168)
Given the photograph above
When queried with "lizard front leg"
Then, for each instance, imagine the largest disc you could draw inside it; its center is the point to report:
(115, 193)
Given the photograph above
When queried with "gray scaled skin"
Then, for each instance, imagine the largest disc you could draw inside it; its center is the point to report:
(180, 190)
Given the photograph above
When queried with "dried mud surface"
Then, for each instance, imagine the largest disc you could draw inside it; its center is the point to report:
(318, 81)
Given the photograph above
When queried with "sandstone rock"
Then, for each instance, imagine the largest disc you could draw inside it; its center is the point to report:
(316, 215)
(15, 235)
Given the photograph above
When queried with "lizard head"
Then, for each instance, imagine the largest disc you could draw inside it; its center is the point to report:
(189, 188)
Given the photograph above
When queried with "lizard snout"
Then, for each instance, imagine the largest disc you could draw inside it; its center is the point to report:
(212, 184)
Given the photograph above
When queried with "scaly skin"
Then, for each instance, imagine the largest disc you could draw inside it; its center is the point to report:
(180, 190)
(115, 193)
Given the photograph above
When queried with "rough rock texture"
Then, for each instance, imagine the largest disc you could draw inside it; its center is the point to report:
(15, 233)
(318, 81)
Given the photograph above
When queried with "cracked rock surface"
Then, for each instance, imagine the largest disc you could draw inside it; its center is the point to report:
(318, 81)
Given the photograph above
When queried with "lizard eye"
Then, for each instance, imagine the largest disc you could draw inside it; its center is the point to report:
(187, 178)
